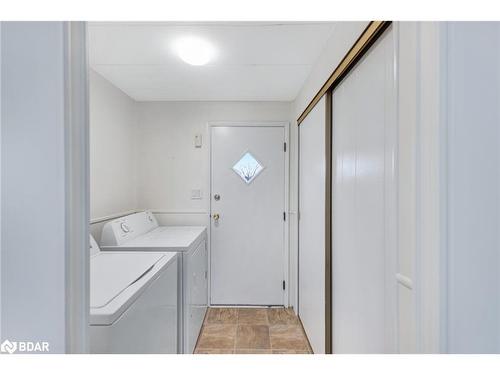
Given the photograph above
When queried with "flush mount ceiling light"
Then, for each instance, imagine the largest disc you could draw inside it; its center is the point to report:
(194, 51)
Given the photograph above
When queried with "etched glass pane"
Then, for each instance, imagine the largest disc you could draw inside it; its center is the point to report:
(248, 168)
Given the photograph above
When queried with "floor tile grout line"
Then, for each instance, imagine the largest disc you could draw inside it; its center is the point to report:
(269, 330)
(237, 329)
(287, 325)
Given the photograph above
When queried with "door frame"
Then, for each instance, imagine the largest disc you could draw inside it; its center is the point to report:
(77, 176)
(286, 240)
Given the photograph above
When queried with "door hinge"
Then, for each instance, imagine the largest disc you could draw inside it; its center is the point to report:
(284, 147)
(284, 216)
(284, 284)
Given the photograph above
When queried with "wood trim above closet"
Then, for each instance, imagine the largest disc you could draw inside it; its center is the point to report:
(362, 44)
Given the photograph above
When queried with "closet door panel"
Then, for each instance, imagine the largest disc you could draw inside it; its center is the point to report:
(362, 146)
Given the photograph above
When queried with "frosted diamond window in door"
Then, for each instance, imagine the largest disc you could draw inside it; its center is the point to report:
(248, 168)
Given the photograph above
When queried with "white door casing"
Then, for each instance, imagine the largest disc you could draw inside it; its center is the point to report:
(248, 241)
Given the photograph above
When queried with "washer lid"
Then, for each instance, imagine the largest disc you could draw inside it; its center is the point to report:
(112, 273)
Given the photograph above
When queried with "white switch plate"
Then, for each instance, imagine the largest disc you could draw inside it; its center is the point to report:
(196, 194)
(197, 141)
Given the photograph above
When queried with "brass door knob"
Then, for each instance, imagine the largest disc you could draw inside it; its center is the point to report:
(216, 216)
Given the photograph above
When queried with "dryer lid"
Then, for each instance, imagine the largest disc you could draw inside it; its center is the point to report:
(112, 273)
(171, 238)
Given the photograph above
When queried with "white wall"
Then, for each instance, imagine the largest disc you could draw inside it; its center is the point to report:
(113, 149)
(312, 178)
(473, 137)
(35, 182)
(449, 187)
(170, 166)
(33, 186)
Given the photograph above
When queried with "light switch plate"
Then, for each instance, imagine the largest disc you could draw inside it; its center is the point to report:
(196, 194)
(197, 141)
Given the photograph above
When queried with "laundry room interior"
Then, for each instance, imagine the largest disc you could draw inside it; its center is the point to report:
(194, 148)
(160, 135)
(250, 187)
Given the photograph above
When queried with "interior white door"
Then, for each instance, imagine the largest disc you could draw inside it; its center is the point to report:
(248, 195)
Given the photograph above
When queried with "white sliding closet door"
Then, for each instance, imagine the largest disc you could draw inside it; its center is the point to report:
(312, 226)
(363, 208)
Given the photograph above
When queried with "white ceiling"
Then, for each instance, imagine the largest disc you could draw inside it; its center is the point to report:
(254, 61)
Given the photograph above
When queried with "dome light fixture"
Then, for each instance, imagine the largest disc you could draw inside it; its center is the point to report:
(194, 50)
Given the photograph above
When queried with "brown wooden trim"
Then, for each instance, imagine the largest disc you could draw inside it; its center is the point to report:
(328, 222)
(362, 44)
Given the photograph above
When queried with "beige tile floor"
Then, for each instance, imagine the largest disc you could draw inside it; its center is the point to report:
(252, 331)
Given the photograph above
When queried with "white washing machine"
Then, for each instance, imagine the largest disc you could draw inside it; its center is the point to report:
(133, 302)
(141, 232)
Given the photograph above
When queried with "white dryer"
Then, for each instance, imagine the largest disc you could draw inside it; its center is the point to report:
(141, 232)
(133, 302)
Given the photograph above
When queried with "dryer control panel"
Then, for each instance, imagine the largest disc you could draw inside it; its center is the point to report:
(118, 231)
